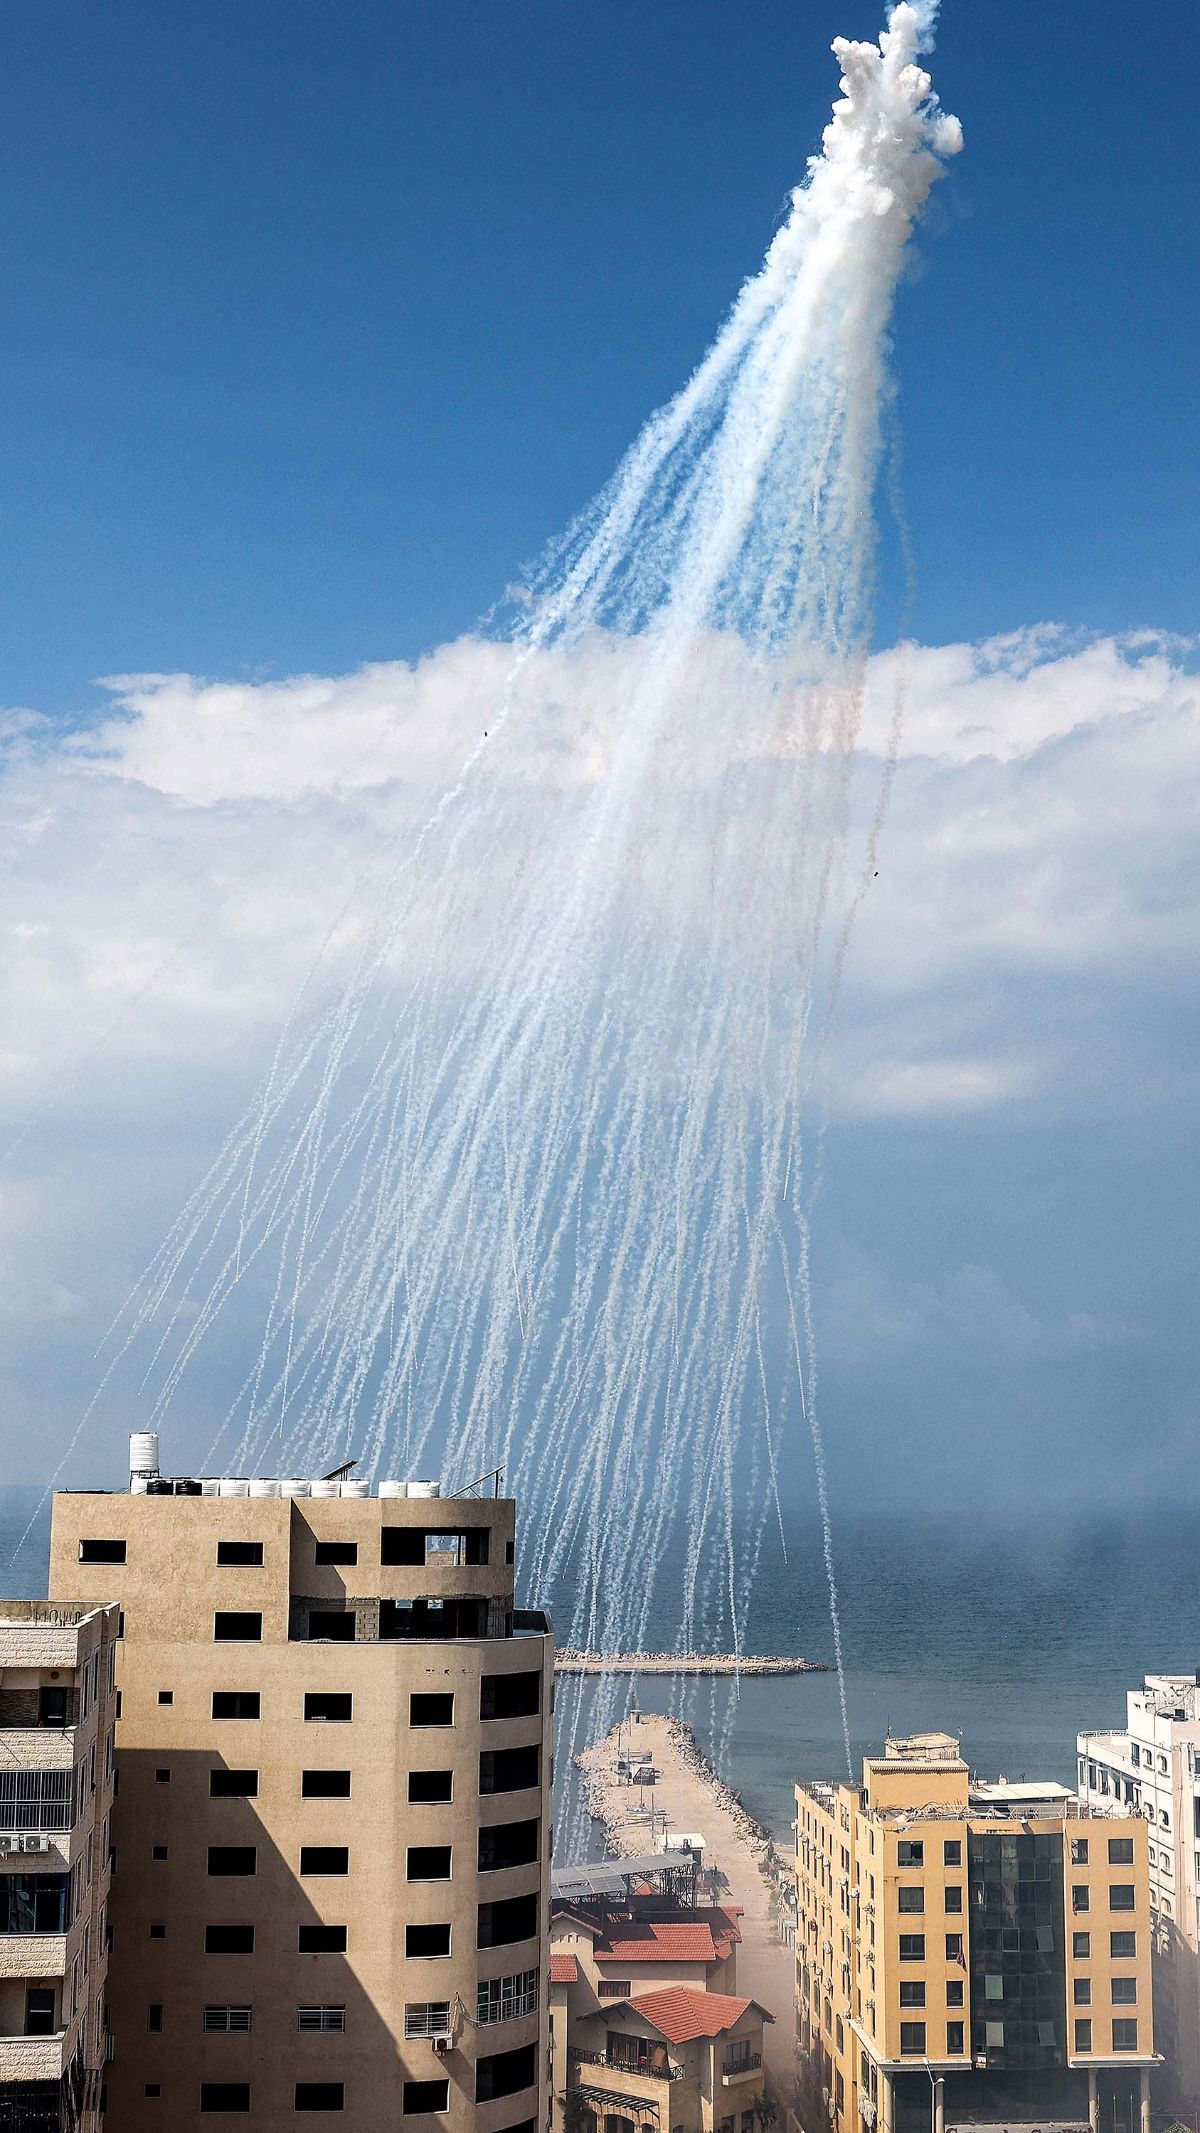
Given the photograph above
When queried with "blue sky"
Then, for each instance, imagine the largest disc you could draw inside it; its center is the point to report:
(320, 320)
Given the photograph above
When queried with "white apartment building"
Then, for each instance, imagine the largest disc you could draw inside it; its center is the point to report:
(1153, 1765)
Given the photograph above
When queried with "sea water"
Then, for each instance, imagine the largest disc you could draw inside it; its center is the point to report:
(1014, 1636)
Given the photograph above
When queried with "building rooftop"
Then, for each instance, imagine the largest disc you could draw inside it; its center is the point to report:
(681, 2013)
(652, 1940)
(1003, 1793)
(564, 1970)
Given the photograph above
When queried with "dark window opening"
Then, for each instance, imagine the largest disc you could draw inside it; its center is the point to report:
(324, 1859)
(231, 1859)
(236, 1703)
(229, 1940)
(39, 2011)
(504, 2073)
(54, 1707)
(101, 1551)
(429, 1862)
(513, 1918)
(430, 1708)
(154, 2017)
(237, 1626)
(511, 1695)
(320, 2096)
(426, 1940)
(430, 1787)
(332, 1705)
(321, 1940)
(34, 1903)
(429, 1620)
(426, 2096)
(510, 1769)
(240, 1554)
(331, 1625)
(337, 1552)
(233, 1784)
(508, 1844)
(325, 1784)
(225, 2096)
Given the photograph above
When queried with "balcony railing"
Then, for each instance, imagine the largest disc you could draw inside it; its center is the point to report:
(736, 2064)
(624, 2066)
(508, 2009)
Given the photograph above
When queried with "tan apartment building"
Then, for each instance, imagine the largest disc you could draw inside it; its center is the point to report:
(332, 1830)
(57, 1710)
(971, 1952)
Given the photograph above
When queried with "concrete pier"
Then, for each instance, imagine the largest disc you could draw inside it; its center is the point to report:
(568, 1662)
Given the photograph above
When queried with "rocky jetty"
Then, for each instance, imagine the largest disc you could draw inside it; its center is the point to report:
(569, 1662)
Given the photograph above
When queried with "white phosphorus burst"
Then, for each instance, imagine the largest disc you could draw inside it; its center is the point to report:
(532, 1183)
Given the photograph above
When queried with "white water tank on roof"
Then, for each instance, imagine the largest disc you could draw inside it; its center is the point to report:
(232, 1485)
(393, 1488)
(143, 1453)
(424, 1488)
(138, 1485)
(356, 1488)
(294, 1487)
(209, 1487)
(261, 1486)
(327, 1488)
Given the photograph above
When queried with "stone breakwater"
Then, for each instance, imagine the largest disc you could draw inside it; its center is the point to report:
(742, 1865)
(569, 1662)
(604, 1801)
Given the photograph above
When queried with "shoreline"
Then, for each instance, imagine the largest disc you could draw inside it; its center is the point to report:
(760, 1663)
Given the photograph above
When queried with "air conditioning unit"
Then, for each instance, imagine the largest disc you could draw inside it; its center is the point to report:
(35, 1844)
(442, 2044)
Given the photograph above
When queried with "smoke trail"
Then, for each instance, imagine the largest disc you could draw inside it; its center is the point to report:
(531, 1184)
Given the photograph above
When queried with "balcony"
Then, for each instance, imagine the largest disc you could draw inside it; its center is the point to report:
(508, 2009)
(33, 2058)
(738, 2072)
(642, 2071)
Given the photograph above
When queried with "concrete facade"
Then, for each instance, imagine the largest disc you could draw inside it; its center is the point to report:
(1152, 1766)
(967, 1950)
(333, 1823)
(57, 1717)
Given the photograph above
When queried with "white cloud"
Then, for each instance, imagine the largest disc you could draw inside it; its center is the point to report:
(1027, 950)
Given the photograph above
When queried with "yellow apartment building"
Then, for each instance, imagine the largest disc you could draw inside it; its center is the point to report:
(332, 1829)
(971, 1953)
(57, 1708)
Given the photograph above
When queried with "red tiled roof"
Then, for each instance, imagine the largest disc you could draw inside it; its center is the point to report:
(576, 1918)
(564, 1970)
(657, 1940)
(682, 2013)
(722, 1922)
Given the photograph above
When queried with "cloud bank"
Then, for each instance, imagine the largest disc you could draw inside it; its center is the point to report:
(1024, 961)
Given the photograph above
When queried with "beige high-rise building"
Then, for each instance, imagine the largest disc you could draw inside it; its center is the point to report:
(332, 1828)
(1152, 1765)
(970, 1951)
(57, 1708)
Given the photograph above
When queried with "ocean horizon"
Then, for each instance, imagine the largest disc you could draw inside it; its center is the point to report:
(1012, 1635)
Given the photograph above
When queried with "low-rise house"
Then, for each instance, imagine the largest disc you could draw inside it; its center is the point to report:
(678, 2057)
(647, 2029)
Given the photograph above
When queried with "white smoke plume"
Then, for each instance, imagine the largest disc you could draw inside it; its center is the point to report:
(533, 1186)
